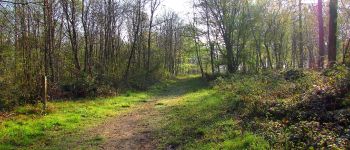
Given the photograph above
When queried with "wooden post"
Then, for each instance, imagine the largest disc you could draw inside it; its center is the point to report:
(45, 94)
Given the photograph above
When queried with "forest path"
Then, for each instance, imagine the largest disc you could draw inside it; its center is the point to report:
(129, 131)
(136, 129)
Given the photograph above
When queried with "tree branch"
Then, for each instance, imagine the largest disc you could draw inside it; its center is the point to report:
(20, 3)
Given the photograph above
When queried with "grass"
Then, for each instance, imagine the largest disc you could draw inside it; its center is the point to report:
(198, 120)
(195, 117)
(63, 124)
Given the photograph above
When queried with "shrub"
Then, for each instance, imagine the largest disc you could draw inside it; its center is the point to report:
(106, 90)
(82, 86)
(294, 109)
(293, 74)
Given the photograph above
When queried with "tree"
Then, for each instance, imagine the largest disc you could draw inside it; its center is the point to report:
(332, 41)
(211, 44)
(69, 9)
(197, 47)
(224, 13)
(301, 38)
(136, 26)
(321, 44)
(154, 5)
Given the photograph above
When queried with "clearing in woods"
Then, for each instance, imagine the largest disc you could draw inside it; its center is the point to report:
(137, 128)
(184, 113)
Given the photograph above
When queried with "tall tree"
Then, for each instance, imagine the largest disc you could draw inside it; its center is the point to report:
(224, 13)
(210, 42)
(69, 9)
(321, 44)
(136, 26)
(49, 37)
(154, 5)
(301, 41)
(332, 39)
(195, 36)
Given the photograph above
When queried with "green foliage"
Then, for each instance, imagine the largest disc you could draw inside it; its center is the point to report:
(339, 74)
(30, 129)
(9, 94)
(99, 85)
(80, 87)
(303, 110)
(199, 120)
(293, 74)
(307, 111)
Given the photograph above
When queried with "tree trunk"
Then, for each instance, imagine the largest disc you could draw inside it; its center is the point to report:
(229, 49)
(136, 27)
(332, 49)
(301, 41)
(346, 56)
(211, 44)
(321, 44)
(72, 29)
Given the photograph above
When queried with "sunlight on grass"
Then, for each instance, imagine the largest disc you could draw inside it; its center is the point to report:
(66, 121)
(66, 117)
(198, 120)
(195, 118)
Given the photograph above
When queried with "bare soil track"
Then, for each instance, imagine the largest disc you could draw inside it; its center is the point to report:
(136, 129)
(131, 131)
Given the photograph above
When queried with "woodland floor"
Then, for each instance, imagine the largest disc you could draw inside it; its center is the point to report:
(137, 129)
(184, 113)
(129, 131)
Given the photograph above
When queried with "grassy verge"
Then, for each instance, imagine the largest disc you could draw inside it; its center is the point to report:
(199, 120)
(64, 123)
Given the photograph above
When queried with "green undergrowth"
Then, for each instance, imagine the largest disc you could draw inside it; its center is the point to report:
(293, 109)
(66, 122)
(63, 123)
(199, 120)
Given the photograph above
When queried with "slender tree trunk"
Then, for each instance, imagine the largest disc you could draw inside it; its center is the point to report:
(198, 55)
(149, 44)
(137, 26)
(259, 61)
(84, 23)
(347, 49)
(70, 13)
(332, 46)
(268, 55)
(154, 5)
(301, 40)
(211, 44)
(229, 49)
(294, 47)
(321, 44)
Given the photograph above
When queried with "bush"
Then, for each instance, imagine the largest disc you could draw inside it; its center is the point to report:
(82, 86)
(10, 96)
(294, 109)
(106, 90)
(293, 74)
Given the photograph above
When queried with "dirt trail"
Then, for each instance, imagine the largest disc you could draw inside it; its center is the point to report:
(131, 131)
(135, 130)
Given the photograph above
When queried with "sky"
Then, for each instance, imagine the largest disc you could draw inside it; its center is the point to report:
(184, 7)
(181, 7)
